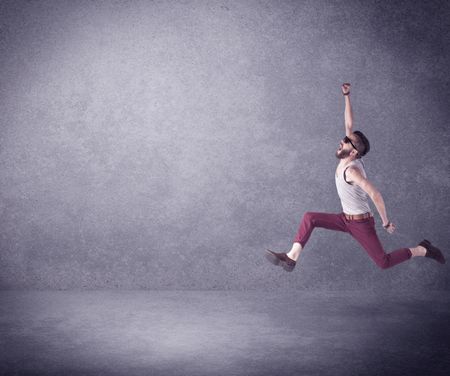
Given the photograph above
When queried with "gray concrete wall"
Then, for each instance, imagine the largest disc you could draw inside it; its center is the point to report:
(167, 144)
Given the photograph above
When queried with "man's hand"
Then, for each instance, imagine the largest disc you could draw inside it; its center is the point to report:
(390, 228)
(345, 88)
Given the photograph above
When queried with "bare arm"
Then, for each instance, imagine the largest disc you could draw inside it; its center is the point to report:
(379, 204)
(355, 176)
(348, 115)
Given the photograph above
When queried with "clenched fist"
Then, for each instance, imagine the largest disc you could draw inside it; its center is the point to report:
(345, 88)
(390, 228)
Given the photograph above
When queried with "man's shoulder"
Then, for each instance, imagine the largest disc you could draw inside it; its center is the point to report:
(356, 167)
(357, 164)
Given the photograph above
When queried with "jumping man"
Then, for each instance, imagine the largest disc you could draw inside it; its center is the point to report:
(356, 219)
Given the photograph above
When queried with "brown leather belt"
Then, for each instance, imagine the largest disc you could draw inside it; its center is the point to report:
(352, 217)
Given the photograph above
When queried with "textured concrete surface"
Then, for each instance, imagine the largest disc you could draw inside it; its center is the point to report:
(165, 144)
(223, 333)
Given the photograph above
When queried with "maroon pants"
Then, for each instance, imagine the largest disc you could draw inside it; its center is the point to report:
(363, 230)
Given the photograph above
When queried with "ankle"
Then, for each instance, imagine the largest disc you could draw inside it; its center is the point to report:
(418, 251)
(294, 253)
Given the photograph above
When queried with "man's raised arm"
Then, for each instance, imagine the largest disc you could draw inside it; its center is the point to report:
(348, 116)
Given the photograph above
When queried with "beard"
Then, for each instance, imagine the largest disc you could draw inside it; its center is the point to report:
(341, 154)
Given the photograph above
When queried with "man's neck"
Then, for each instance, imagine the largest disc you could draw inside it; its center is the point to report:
(346, 161)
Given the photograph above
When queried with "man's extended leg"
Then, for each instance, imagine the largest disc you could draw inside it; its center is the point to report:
(364, 232)
(309, 222)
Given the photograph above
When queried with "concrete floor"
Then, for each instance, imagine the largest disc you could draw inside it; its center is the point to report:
(223, 333)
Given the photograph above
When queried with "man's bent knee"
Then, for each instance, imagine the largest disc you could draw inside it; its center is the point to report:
(308, 216)
(383, 263)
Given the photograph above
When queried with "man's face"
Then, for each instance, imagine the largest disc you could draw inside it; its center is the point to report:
(345, 149)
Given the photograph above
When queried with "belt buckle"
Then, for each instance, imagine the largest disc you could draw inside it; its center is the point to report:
(365, 216)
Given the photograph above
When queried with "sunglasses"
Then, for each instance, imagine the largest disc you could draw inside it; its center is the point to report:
(346, 140)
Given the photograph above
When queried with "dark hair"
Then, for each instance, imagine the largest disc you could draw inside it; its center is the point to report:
(362, 144)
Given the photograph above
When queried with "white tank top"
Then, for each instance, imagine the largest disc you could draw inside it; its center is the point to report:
(353, 198)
